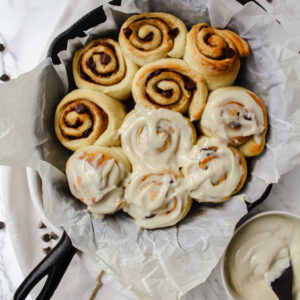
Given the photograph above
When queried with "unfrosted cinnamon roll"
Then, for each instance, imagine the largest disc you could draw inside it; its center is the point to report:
(86, 117)
(170, 83)
(150, 36)
(237, 116)
(215, 54)
(215, 172)
(95, 175)
(101, 66)
(156, 199)
(156, 138)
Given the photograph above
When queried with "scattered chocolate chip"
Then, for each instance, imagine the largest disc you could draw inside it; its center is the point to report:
(53, 236)
(203, 26)
(86, 133)
(150, 216)
(247, 117)
(46, 237)
(173, 33)
(47, 250)
(228, 52)
(167, 93)
(104, 58)
(90, 63)
(2, 225)
(171, 181)
(235, 125)
(2, 47)
(148, 37)
(42, 225)
(5, 77)
(80, 108)
(127, 32)
(189, 84)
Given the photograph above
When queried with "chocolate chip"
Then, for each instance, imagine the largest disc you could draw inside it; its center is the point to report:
(167, 93)
(5, 77)
(189, 84)
(150, 216)
(127, 32)
(171, 181)
(203, 26)
(86, 133)
(53, 236)
(80, 108)
(47, 250)
(46, 237)
(235, 125)
(247, 117)
(90, 63)
(42, 225)
(148, 37)
(228, 52)
(173, 33)
(2, 47)
(2, 225)
(104, 58)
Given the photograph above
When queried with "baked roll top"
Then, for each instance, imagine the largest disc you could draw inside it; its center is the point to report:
(150, 36)
(102, 66)
(237, 116)
(215, 53)
(171, 84)
(86, 117)
(95, 175)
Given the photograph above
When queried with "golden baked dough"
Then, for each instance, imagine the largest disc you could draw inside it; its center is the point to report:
(150, 36)
(156, 199)
(170, 83)
(95, 175)
(101, 66)
(216, 172)
(215, 53)
(86, 117)
(237, 116)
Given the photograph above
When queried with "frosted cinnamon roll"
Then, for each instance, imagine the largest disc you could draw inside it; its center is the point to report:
(216, 171)
(101, 66)
(95, 175)
(170, 83)
(215, 54)
(156, 199)
(150, 36)
(156, 138)
(237, 116)
(86, 117)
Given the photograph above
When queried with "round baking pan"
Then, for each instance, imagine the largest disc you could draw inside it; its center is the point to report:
(57, 261)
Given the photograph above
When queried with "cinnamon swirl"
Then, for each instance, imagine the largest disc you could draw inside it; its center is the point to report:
(101, 66)
(215, 53)
(170, 83)
(86, 117)
(150, 36)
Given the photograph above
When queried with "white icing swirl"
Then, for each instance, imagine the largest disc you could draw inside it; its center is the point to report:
(95, 177)
(214, 172)
(233, 115)
(156, 199)
(156, 138)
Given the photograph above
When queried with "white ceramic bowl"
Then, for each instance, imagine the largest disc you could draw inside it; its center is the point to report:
(226, 285)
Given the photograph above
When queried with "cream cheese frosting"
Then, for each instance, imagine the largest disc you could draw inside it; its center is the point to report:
(258, 251)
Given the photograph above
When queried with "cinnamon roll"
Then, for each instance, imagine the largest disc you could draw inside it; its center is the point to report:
(216, 171)
(86, 117)
(156, 138)
(170, 83)
(150, 36)
(101, 66)
(237, 116)
(215, 54)
(156, 199)
(95, 175)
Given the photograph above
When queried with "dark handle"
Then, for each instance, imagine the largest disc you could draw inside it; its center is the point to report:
(54, 265)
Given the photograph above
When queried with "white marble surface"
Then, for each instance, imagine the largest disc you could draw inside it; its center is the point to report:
(24, 24)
